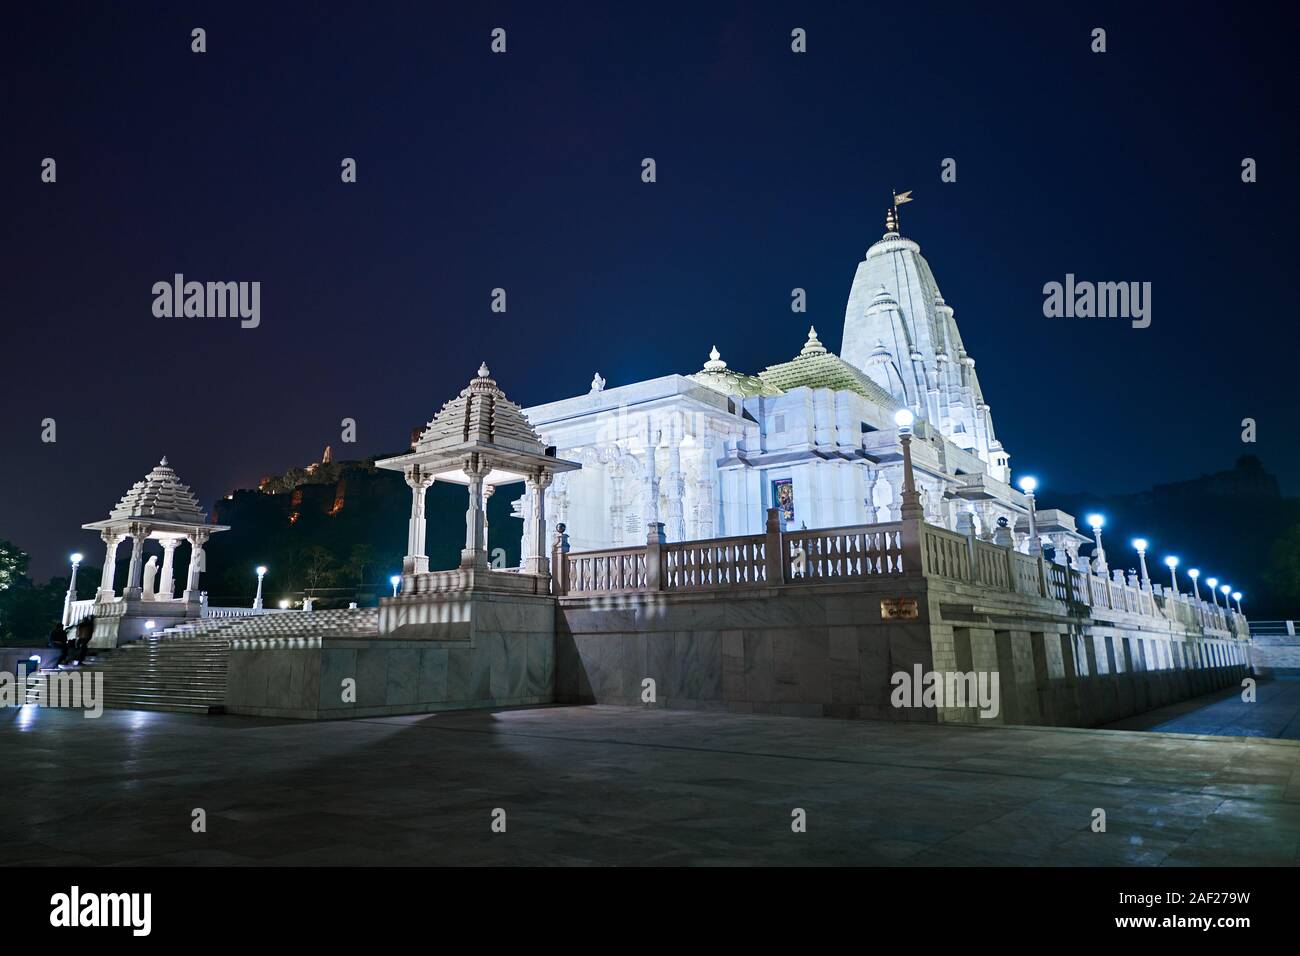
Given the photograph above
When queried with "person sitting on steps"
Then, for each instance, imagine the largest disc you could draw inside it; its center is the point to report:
(85, 631)
(59, 641)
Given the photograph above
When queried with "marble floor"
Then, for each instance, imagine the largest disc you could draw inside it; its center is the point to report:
(610, 785)
(1275, 712)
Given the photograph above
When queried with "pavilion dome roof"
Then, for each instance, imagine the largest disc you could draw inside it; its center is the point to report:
(816, 367)
(481, 414)
(159, 497)
(718, 377)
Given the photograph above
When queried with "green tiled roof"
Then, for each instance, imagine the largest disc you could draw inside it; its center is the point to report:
(734, 383)
(814, 367)
(718, 377)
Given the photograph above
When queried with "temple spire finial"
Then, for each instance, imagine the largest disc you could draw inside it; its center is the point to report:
(891, 217)
(813, 346)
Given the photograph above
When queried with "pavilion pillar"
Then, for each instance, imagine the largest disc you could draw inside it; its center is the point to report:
(416, 560)
(474, 554)
(133, 591)
(650, 480)
(167, 580)
(535, 562)
(195, 568)
(111, 541)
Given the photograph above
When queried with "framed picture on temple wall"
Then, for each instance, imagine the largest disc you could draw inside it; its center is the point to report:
(783, 499)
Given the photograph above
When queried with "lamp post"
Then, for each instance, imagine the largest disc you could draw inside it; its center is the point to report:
(395, 580)
(1214, 586)
(1236, 596)
(1140, 546)
(1027, 485)
(911, 505)
(257, 601)
(1225, 590)
(1096, 522)
(1172, 563)
(72, 590)
(1193, 573)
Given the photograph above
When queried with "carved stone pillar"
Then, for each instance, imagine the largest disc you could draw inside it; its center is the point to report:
(416, 560)
(167, 580)
(988, 519)
(650, 482)
(111, 541)
(676, 492)
(536, 562)
(197, 565)
(474, 554)
(488, 492)
(704, 502)
(616, 510)
(133, 590)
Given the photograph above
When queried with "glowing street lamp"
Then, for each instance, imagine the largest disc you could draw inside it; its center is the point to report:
(72, 590)
(1214, 586)
(1236, 596)
(1193, 573)
(911, 505)
(1225, 590)
(284, 604)
(1028, 485)
(395, 580)
(257, 601)
(1140, 546)
(1096, 522)
(1172, 563)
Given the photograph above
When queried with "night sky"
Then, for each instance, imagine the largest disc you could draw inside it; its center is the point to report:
(522, 171)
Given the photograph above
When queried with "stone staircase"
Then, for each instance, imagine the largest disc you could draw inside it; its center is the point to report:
(183, 668)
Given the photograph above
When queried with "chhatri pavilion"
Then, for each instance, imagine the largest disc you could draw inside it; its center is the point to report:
(158, 508)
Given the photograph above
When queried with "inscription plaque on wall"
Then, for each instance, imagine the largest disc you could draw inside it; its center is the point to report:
(898, 609)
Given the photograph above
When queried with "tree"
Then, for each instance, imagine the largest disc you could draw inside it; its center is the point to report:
(13, 564)
(319, 567)
(1283, 574)
(361, 558)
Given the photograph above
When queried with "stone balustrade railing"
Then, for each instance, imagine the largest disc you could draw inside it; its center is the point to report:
(235, 611)
(780, 557)
(775, 557)
(1002, 569)
(77, 611)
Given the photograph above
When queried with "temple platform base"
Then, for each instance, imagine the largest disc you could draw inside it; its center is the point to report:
(452, 640)
(122, 621)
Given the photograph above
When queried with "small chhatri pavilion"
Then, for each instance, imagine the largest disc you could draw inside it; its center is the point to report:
(479, 439)
(163, 509)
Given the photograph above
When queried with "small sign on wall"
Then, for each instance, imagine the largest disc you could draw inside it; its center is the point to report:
(899, 609)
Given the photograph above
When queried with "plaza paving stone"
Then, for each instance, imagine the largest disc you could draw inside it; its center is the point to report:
(1275, 712)
(609, 785)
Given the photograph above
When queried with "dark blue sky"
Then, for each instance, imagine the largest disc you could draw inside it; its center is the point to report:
(523, 171)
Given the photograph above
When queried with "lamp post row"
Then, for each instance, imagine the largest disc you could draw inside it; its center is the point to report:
(1028, 485)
